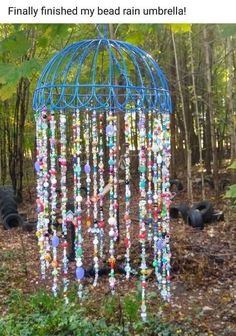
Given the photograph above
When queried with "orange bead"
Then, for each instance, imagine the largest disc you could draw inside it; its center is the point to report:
(54, 263)
(47, 257)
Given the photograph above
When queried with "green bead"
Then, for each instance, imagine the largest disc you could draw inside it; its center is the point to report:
(142, 184)
(155, 263)
(79, 251)
(142, 169)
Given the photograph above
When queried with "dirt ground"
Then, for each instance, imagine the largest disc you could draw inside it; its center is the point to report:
(203, 270)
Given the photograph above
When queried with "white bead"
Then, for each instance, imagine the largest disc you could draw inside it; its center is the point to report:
(111, 233)
(79, 198)
(112, 220)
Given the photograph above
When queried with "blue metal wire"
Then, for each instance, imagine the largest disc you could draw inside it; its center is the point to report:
(102, 74)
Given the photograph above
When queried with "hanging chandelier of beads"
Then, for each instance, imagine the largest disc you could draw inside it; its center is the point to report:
(102, 112)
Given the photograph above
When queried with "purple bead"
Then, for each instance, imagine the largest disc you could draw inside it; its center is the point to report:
(37, 166)
(140, 124)
(55, 241)
(110, 130)
(87, 168)
(79, 273)
(160, 244)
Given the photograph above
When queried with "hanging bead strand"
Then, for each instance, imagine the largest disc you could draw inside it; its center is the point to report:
(116, 151)
(78, 203)
(149, 178)
(101, 222)
(41, 168)
(157, 182)
(165, 291)
(142, 209)
(87, 169)
(110, 133)
(53, 187)
(127, 219)
(63, 164)
(95, 196)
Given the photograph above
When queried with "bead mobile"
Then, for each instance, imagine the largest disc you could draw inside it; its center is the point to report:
(85, 94)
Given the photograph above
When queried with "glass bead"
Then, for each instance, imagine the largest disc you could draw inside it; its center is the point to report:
(37, 166)
(142, 169)
(160, 244)
(112, 221)
(79, 251)
(110, 130)
(155, 263)
(55, 241)
(80, 272)
(87, 168)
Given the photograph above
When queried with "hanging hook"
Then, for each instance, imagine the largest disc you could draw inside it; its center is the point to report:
(102, 30)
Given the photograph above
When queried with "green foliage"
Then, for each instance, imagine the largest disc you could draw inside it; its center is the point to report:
(180, 27)
(15, 45)
(11, 73)
(131, 308)
(43, 315)
(233, 165)
(228, 30)
(231, 192)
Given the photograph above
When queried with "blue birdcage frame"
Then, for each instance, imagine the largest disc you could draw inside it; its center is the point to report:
(102, 74)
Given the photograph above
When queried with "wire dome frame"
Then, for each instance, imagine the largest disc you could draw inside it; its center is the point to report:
(102, 74)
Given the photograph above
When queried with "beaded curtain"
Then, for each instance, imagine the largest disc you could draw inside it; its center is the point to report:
(91, 95)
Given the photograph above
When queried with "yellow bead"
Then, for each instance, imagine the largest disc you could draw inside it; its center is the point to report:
(47, 257)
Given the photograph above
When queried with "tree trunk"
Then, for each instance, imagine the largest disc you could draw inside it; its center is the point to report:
(207, 51)
(187, 144)
(17, 152)
(229, 102)
(173, 128)
(198, 129)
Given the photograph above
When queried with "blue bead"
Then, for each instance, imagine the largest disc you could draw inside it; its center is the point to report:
(80, 273)
(87, 168)
(160, 244)
(110, 130)
(55, 241)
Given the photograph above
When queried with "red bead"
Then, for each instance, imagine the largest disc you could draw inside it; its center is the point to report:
(101, 224)
(142, 235)
(127, 243)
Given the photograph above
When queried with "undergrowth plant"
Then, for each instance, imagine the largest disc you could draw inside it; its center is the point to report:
(41, 314)
(231, 192)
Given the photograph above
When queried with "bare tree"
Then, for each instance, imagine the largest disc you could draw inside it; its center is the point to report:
(187, 142)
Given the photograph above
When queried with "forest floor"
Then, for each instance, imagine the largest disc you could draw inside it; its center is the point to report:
(203, 271)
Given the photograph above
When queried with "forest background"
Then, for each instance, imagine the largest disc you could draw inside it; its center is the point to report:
(198, 61)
